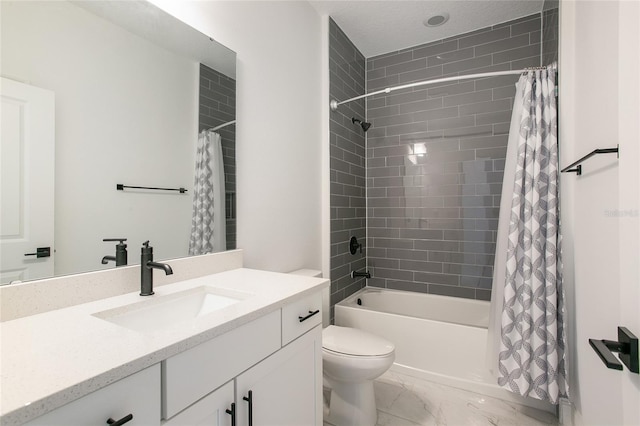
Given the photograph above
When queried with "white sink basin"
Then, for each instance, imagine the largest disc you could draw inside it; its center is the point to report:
(164, 312)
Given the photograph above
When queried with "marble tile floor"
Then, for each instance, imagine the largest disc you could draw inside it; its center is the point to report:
(408, 401)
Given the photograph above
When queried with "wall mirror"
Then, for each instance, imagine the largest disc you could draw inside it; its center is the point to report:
(131, 87)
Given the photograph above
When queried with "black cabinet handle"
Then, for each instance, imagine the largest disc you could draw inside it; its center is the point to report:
(122, 421)
(40, 252)
(232, 413)
(311, 313)
(249, 399)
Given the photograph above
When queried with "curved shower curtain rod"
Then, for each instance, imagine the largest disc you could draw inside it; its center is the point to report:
(213, 129)
(334, 103)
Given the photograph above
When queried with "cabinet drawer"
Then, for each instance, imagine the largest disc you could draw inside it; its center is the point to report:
(138, 395)
(192, 374)
(299, 317)
(209, 411)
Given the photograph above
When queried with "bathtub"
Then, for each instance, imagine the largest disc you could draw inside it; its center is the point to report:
(437, 338)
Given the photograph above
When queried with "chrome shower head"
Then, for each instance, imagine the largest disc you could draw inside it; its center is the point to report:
(365, 126)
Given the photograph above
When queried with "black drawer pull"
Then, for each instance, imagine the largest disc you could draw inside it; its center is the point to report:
(120, 422)
(311, 313)
(249, 399)
(232, 413)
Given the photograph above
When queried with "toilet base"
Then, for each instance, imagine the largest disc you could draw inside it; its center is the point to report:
(352, 404)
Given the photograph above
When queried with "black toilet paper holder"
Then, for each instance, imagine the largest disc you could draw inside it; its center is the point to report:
(626, 346)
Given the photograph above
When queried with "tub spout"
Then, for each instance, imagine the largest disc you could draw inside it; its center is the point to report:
(355, 274)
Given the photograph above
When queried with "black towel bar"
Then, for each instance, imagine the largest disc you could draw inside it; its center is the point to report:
(121, 187)
(578, 169)
(626, 346)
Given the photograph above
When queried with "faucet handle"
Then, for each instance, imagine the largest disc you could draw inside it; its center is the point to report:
(147, 250)
(120, 246)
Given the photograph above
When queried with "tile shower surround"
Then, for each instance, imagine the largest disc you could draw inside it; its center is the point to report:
(347, 165)
(218, 106)
(432, 218)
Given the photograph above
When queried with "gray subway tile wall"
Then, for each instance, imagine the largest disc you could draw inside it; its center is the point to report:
(218, 106)
(435, 159)
(347, 165)
(550, 19)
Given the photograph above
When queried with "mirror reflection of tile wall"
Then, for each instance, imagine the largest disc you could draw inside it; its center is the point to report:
(218, 106)
(550, 18)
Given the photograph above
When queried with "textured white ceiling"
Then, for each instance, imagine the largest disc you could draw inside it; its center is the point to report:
(159, 27)
(378, 27)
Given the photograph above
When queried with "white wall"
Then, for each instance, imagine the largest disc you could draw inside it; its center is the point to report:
(279, 100)
(600, 235)
(112, 126)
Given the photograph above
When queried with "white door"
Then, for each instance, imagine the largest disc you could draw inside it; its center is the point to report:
(26, 181)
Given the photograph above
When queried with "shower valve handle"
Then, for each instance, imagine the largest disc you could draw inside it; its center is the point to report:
(354, 245)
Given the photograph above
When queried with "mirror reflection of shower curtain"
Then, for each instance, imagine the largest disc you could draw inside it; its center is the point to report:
(208, 233)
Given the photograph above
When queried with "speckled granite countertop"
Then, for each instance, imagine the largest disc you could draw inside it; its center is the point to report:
(53, 358)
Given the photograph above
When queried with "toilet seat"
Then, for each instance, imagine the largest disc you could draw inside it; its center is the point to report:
(349, 341)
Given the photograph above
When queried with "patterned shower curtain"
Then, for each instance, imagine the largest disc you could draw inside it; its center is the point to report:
(532, 349)
(208, 232)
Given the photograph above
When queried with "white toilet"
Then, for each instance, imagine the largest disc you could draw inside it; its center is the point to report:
(351, 360)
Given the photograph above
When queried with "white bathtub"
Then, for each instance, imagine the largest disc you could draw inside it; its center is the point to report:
(438, 338)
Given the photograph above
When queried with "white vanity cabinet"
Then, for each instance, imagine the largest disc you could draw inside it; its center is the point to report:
(270, 369)
(284, 389)
(86, 362)
(137, 395)
(193, 374)
(266, 372)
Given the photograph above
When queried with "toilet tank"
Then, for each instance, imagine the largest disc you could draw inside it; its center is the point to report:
(325, 293)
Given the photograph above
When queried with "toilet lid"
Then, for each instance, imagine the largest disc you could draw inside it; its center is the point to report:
(351, 341)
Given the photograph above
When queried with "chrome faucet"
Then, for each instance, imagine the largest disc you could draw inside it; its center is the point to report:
(146, 269)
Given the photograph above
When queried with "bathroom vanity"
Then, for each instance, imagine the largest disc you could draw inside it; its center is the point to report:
(248, 353)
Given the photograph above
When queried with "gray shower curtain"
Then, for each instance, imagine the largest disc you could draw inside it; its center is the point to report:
(531, 352)
(208, 233)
